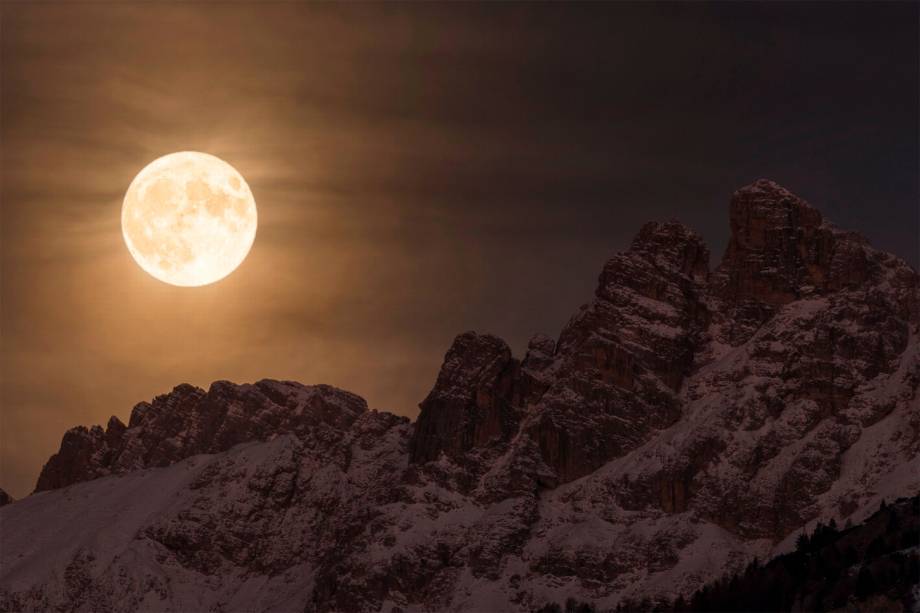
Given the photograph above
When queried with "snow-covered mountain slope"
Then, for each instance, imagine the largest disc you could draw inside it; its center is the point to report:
(682, 423)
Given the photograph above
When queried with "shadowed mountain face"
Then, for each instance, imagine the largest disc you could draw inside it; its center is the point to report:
(684, 421)
(872, 566)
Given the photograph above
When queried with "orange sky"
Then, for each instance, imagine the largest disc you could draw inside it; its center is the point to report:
(419, 170)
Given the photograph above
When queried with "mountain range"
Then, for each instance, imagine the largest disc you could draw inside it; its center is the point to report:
(685, 421)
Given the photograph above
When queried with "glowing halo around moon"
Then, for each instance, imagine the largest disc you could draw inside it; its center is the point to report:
(189, 218)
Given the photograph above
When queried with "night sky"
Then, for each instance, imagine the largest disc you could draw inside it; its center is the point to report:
(420, 170)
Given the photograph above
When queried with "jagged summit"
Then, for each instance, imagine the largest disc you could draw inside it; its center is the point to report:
(682, 423)
(780, 249)
(676, 246)
(190, 421)
(470, 405)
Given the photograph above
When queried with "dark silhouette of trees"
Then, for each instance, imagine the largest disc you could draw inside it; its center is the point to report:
(801, 543)
(865, 584)
(829, 569)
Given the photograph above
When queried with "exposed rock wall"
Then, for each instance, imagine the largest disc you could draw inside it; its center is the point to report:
(190, 421)
(470, 405)
(682, 423)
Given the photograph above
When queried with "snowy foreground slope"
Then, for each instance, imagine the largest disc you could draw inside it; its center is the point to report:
(682, 423)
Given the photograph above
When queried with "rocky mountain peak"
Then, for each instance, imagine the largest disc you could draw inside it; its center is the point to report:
(469, 405)
(674, 246)
(190, 421)
(780, 249)
(664, 262)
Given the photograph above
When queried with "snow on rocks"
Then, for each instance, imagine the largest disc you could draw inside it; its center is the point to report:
(682, 423)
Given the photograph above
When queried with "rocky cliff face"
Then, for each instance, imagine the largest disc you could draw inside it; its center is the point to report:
(682, 423)
(471, 404)
(189, 421)
(780, 246)
(619, 363)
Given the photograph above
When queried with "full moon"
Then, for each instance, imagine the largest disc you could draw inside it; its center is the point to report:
(189, 218)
